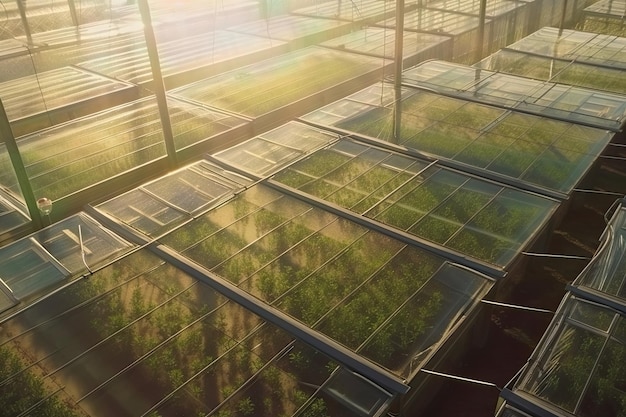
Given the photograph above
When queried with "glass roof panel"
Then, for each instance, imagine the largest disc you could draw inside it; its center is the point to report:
(607, 271)
(576, 45)
(270, 151)
(581, 367)
(518, 148)
(574, 104)
(272, 84)
(615, 8)
(447, 208)
(289, 27)
(86, 32)
(172, 346)
(26, 268)
(85, 151)
(63, 241)
(34, 94)
(492, 8)
(560, 71)
(436, 21)
(178, 57)
(319, 268)
(353, 11)
(159, 206)
(54, 253)
(380, 42)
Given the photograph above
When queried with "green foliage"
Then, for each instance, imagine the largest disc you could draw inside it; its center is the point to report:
(23, 389)
(245, 406)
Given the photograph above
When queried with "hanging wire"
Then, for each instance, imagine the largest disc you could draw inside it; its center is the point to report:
(461, 378)
(516, 306)
(583, 190)
(553, 255)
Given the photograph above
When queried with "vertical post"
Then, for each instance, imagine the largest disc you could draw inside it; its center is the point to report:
(72, 6)
(157, 82)
(397, 80)
(22, 8)
(18, 165)
(562, 22)
(482, 17)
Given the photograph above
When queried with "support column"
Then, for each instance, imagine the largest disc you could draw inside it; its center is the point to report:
(562, 21)
(22, 8)
(397, 79)
(157, 82)
(482, 17)
(6, 134)
(73, 13)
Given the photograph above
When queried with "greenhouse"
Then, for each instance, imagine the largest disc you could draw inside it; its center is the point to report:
(44, 15)
(286, 86)
(461, 28)
(187, 327)
(552, 62)
(58, 49)
(482, 221)
(90, 154)
(380, 42)
(606, 17)
(578, 367)
(509, 18)
(38, 101)
(523, 150)
(562, 102)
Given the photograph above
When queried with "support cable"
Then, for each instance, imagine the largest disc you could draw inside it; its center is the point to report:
(534, 309)
(461, 378)
(555, 255)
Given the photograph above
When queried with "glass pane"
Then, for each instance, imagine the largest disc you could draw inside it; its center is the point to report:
(607, 393)
(566, 368)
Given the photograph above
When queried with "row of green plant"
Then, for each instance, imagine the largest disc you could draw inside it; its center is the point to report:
(261, 91)
(169, 330)
(308, 271)
(535, 149)
(72, 157)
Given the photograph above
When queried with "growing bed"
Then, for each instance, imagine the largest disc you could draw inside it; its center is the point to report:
(578, 58)
(65, 159)
(481, 220)
(532, 152)
(605, 16)
(186, 59)
(141, 337)
(376, 41)
(279, 82)
(575, 104)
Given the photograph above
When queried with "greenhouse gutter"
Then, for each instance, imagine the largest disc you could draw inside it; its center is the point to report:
(322, 343)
